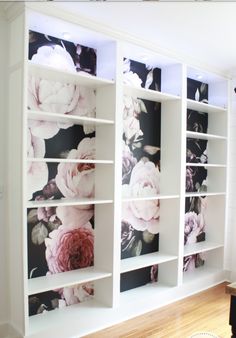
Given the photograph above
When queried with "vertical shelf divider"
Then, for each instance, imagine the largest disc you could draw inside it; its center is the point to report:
(183, 173)
(15, 195)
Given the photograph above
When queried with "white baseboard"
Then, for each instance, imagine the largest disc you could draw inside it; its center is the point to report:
(228, 276)
(233, 276)
(7, 331)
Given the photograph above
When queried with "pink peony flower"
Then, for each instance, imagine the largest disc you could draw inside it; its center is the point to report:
(70, 248)
(189, 179)
(75, 216)
(58, 97)
(131, 124)
(77, 294)
(77, 179)
(37, 172)
(194, 226)
(154, 273)
(54, 56)
(144, 182)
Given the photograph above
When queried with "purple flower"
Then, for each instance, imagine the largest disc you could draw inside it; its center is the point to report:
(189, 179)
(154, 273)
(194, 226)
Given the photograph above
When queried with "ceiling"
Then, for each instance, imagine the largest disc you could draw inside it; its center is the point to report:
(203, 32)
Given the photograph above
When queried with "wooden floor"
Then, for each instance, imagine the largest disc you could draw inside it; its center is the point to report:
(206, 311)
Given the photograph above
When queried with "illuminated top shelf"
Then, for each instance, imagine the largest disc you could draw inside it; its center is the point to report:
(204, 107)
(148, 94)
(54, 74)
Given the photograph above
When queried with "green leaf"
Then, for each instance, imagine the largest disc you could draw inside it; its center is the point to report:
(39, 233)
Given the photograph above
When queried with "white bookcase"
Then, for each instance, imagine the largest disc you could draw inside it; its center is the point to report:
(108, 305)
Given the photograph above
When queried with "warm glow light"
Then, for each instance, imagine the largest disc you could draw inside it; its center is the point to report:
(66, 35)
(199, 77)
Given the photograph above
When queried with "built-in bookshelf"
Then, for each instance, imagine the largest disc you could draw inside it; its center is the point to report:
(120, 200)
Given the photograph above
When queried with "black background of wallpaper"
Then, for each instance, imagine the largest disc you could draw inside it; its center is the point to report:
(197, 147)
(142, 71)
(133, 279)
(193, 85)
(197, 121)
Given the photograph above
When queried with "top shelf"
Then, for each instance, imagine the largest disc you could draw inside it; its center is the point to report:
(53, 74)
(149, 94)
(204, 108)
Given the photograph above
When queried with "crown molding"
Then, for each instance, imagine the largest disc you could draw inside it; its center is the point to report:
(10, 9)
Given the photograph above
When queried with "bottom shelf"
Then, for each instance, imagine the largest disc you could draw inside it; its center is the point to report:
(91, 316)
(203, 272)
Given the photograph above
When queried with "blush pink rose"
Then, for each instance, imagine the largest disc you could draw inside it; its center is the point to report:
(75, 216)
(70, 248)
(77, 179)
(194, 226)
(54, 56)
(131, 124)
(144, 182)
(58, 97)
(77, 294)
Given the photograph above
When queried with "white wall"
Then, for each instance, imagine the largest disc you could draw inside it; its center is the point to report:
(3, 224)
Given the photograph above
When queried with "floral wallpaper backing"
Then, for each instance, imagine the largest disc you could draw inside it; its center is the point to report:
(197, 90)
(197, 152)
(196, 177)
(194, 229)
(140, 173)
(60, 238)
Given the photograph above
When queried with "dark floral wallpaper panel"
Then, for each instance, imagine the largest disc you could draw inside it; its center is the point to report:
(60, 238)
(197, 90)
(197, 121)
(196, 149)
(194, 229)
(141, 163)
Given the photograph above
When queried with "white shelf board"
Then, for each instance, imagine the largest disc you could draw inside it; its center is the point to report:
(138, 262)
(203, 136)
(55, 74)
(132, 304)
(204, 107)
(67, 202)
(205, 165)
(202, 193)
(64, 118)
(200, 273)
(76, 316)
(192, 249)
(148, 94)
(60, 280)
(68, 160)
(149, 198)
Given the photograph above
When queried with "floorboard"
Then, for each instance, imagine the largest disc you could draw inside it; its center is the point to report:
(205, 311)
